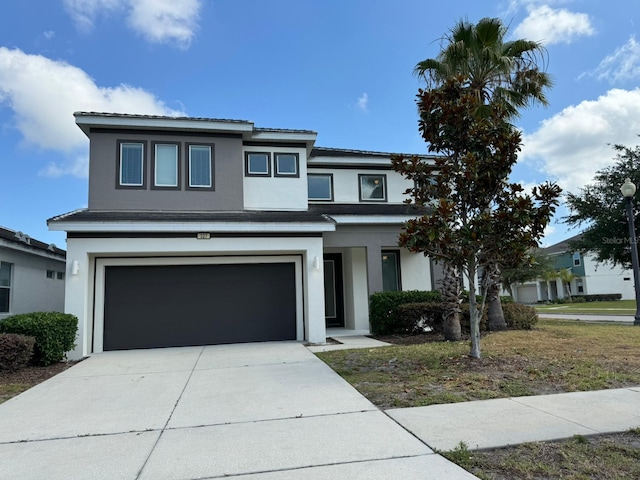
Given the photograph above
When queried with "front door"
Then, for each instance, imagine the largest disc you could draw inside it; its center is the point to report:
(333, 293)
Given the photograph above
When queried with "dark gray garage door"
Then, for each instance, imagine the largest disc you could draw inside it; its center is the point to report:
(179, 305)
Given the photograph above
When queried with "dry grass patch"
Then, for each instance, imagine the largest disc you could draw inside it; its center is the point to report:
(555, 357)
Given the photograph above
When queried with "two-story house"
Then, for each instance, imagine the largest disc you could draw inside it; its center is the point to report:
(205, 231)
(589, 277)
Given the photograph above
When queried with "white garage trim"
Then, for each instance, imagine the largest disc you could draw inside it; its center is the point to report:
(101, 263)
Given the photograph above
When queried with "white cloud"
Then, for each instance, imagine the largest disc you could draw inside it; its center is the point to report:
(76, 167)
(547, 25)
(159, 21)
(44, 93)
(573, 144)
(49, 34)
(622, 65)
(363, 102)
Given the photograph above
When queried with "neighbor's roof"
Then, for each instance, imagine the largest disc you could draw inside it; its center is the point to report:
(563, 246)
(26, 242)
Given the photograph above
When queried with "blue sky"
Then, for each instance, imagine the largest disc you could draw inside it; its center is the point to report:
(340, 67)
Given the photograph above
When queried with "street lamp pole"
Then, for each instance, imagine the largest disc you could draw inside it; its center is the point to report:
(628, 190)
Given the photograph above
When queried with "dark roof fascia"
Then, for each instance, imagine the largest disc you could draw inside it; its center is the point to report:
(563, 246)
(14, 238)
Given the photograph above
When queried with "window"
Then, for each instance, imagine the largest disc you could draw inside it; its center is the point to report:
(373, 188)
(257, 164)
(60, 275)
(391, 270)
(200, 166)
(320, 187)
(287, 165)
(51, 274)
(580, 285)
(131, 168)
(576, 259)
(5, 286)
(165, 165)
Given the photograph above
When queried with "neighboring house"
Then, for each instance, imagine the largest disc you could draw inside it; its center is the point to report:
(590, 278)
(204, 231)
(32, 275)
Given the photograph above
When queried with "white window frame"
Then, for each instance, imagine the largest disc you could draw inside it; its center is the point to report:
(8, 287)
(210, 148)
(120, 179)
(251, 173)
(155, 165)
(296, 158)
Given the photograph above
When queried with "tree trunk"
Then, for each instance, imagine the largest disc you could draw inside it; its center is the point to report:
(474, 318)
(495, 313)
(451, 302)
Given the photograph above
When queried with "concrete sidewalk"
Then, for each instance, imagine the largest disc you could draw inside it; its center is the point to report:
(628, 319)
(510, 421)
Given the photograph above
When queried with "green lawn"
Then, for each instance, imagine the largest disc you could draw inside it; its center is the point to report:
(557, 356)
(619, 307)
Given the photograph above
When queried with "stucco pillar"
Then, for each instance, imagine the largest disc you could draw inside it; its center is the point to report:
(560, 288)
(374, 268)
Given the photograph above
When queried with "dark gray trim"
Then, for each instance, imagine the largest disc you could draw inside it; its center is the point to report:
(384, 186)
(192, 235)
(254, 143)
(275, 165)
(145, 147)
(187, 162)
(349, 166)
(163, 133)
(330, 175)
(152, 180)
(246, 164)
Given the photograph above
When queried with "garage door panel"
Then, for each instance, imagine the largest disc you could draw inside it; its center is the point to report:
(179, 305)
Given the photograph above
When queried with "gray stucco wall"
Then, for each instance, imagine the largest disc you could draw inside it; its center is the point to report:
(31, 290)
(227, 175)
(373, 238)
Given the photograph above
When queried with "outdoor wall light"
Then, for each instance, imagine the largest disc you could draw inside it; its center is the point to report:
(75, 267)
(316, 263)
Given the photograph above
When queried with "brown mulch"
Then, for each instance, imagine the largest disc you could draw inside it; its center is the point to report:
(27, 377)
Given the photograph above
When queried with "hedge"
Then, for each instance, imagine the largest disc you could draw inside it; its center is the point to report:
(383, 305)
(519, 317)
(418, 317)
(54, 333)
(15, 351)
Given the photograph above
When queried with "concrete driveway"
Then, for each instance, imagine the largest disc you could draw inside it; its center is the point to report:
(250, 411)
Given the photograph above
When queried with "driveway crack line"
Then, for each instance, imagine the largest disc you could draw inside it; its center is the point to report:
(171, 414)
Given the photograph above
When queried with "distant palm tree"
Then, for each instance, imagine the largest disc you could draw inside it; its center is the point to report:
(567, 277)
(499, 72)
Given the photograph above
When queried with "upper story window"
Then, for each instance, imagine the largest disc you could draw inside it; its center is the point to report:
(373, 188)
(5, 286)
(131, 164)
(166, 165)
(320, 186)
(200, 166)
(576, 259)
(286, 165)
(257, 164)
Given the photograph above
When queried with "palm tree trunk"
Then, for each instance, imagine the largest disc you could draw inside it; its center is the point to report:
(494, 310)
(451, 302)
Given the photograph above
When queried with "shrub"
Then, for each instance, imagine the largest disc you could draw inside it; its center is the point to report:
(506, 299)
(465, 321)
(383, 305)
(54, 333)
(602, 297)
(415, 318)
(519, 317)
(15, 351)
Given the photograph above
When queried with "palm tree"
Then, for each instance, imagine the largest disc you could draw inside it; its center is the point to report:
(567, 277)
(499, 72)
